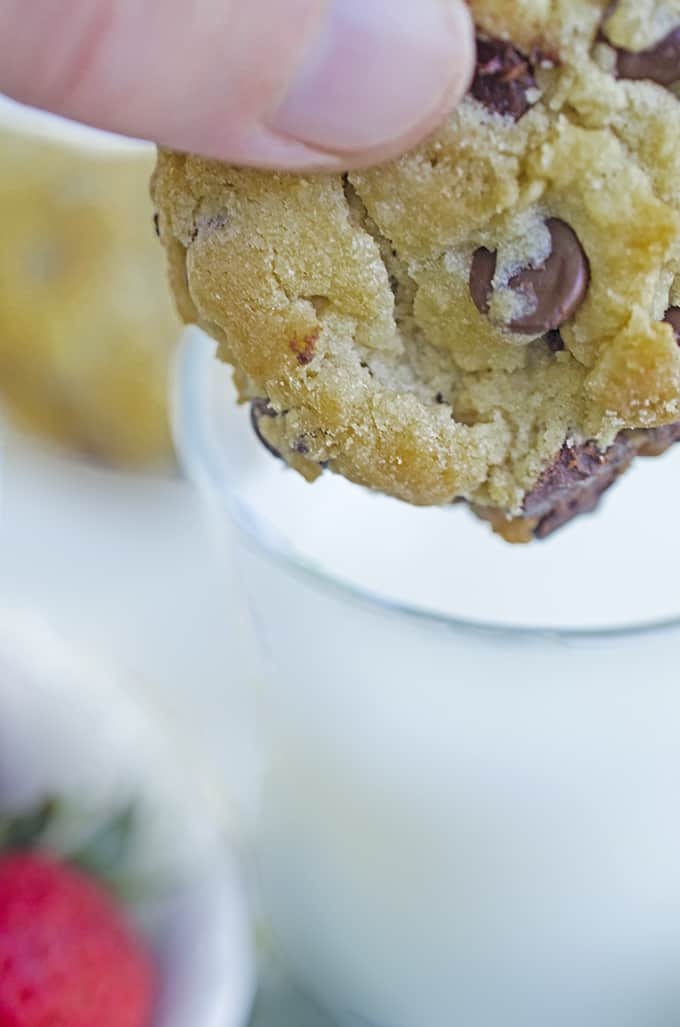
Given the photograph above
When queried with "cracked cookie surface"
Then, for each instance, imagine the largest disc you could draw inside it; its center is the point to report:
(449, 325)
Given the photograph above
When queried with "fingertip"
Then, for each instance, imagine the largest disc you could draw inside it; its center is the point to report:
(379, 77)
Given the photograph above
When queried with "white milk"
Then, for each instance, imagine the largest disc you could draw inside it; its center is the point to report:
(617, 568)
(458, 825)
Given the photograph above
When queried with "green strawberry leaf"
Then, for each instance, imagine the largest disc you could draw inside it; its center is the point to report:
(20, 831)
(105, 854)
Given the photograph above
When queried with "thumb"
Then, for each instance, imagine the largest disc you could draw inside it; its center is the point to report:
(279, 83)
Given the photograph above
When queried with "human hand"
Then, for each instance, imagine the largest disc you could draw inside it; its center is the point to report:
(293, 84)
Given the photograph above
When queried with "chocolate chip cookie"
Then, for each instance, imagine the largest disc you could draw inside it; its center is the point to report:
(86, 326)
(495, 317)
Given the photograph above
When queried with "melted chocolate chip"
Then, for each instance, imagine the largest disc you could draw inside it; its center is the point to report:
(557, 288)
(503, 78)
(660, 64)
(673, 319)
(260, 408)
(580, 476)
(555, 342)
(655, 441)
(157, 225)
(575, 483)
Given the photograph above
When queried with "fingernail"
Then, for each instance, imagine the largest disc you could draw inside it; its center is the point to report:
(376, 72)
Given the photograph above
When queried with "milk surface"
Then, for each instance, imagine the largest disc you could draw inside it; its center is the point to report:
(618, 568)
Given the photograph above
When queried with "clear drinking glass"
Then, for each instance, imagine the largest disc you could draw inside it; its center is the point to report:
(469, 807)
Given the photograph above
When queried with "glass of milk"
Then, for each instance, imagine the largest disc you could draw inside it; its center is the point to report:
(469, 811)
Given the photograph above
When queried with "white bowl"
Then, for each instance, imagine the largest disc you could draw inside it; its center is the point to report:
(67, 728)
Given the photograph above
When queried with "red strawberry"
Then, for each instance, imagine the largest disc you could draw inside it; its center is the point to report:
(67, 956)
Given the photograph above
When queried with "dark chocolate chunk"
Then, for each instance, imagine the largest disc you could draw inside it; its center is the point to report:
(655, 441)
(503, 78)
(555, 342)
(157, 225)
(575, 483)
(557, 288)
(673, 319)
(580, 476)
(260, 408)
(482, 270)
(660, 64)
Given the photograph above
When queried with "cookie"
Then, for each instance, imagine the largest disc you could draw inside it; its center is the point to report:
(466, 322)
(86, 326)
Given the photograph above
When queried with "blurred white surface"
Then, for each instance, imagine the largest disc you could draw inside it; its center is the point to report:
(125, 565)
(280, 1004)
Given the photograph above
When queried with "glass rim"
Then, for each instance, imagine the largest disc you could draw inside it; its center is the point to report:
(191, 428)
